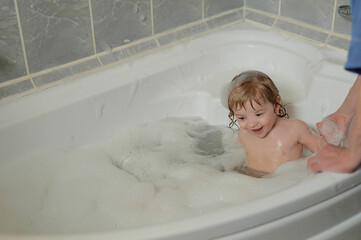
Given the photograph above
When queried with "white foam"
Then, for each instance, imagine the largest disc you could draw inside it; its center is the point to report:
(150, 173)
(332, 132)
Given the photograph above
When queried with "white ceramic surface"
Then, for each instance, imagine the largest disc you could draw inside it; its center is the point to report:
(184, 80)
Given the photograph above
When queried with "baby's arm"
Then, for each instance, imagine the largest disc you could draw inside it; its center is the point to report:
(309, 138)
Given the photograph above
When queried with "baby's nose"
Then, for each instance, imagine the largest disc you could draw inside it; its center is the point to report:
(252, 124)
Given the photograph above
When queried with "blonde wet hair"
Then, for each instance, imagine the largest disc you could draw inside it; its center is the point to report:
(253, 86)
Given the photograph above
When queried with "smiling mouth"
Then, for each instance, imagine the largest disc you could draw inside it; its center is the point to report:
(257, 131)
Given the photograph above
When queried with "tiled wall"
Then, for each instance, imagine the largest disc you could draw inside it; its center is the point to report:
(43, 42)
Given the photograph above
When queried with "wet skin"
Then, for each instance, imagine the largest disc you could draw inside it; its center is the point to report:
(269, 140)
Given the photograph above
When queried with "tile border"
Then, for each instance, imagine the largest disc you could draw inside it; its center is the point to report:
(31, 83)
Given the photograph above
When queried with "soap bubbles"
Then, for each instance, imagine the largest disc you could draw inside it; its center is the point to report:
(150, 173)
(332, 132)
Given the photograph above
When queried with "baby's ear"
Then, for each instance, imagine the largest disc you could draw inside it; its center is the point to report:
(278, 100)
(278, 105)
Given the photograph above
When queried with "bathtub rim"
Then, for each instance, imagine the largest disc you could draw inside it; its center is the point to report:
(226, 221)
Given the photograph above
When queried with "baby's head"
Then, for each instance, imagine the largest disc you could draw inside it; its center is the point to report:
(253, 87)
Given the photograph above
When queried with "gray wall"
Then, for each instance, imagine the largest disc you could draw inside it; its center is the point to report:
(43, 41)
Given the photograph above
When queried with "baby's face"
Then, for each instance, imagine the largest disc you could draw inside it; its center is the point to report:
(258, 120)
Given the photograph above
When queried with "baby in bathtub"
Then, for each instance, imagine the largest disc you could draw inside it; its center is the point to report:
(268, 136)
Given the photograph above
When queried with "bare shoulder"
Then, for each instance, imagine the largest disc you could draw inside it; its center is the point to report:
(302, 132)
(296, 124)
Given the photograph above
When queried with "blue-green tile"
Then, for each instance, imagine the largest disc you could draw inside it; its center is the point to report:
(118, 22)
(315, 12)
(342, 24)
(12, 63)
(52, 77)
(168, 14)
(270, 6)
(214, 7)
(302, 31)
(181, 34)
(338, 42)
(55, 32)
(15, 88)
(266, 20)
(225, 19)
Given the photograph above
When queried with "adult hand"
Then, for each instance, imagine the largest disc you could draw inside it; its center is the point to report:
(332, 158)
(334, 128)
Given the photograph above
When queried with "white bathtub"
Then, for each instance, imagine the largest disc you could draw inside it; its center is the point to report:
(184, 80)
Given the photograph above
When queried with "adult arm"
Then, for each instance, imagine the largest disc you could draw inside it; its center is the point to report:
(340, 159)
(343, 159)
(343, 116)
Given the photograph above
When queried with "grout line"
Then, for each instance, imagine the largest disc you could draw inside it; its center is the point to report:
(65, 65)
(340, 35)
(222, 26)
(244, 13)
(310, 40)
(92, 26)
(98, 58)
(151, 16)
(265, 26)
(299, 23)
(158, 43)
(328, 38)
(279, 7)
(23, 43)
(336, 49)
(167, 32)
(274, 23)
(155, 38)
(334, 15)
(13, 81)
(203, 9)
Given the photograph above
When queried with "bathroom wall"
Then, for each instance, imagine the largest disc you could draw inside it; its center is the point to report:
(46, 42)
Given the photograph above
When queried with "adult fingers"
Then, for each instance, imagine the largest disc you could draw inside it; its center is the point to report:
(319, 125)
(313, 164)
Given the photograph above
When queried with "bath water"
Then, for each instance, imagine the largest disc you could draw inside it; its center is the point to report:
(150, 173)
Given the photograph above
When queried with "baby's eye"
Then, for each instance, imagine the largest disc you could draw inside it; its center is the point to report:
(259, 114)
(241, 118)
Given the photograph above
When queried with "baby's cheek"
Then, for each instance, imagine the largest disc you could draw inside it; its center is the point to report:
(241, 124)
(264, 121)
